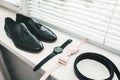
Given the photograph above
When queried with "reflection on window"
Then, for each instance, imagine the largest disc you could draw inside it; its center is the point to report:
(15, 2)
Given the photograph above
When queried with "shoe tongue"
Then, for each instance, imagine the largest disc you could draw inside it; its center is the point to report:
(32, 21)
(19, 25)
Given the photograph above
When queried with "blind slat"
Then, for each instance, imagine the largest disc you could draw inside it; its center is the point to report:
(81, 21)
(83, 31)
(65, 8)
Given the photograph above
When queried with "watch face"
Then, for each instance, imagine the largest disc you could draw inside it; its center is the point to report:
(58, 49)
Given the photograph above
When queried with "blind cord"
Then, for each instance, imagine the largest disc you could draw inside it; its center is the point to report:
(109, 22)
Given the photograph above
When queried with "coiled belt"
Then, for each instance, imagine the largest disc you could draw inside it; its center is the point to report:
(97, 57)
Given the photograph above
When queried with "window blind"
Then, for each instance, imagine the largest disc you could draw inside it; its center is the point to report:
(97, 20)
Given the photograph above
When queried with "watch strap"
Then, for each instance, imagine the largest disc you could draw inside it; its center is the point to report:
(39, 65)
(66, 43)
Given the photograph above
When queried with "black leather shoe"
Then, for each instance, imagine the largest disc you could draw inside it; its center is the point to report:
(21, 36)
(41, 32)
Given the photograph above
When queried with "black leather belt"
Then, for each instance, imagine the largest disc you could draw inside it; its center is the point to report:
(97, 57)
(57, 50)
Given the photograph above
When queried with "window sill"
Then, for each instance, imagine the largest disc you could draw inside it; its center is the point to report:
(33, 59)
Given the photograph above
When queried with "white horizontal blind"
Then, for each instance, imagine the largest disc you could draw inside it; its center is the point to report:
(87, 18)
(113, 35)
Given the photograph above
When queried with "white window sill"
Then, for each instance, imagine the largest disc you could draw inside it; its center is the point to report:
(33, 59)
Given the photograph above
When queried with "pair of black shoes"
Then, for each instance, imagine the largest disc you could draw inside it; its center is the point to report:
(26, 33)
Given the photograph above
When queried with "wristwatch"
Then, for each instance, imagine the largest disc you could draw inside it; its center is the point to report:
(56, 50)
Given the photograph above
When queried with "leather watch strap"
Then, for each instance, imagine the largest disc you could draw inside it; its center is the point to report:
(97, 57)
(66, 43)
(57, 50)
(44, 61)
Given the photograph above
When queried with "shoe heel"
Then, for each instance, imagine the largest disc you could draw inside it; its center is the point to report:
(8, 35)
(7, 31)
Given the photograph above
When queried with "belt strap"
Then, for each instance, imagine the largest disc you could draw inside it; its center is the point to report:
(97, 57)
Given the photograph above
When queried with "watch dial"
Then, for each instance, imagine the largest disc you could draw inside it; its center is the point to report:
(58, 49)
